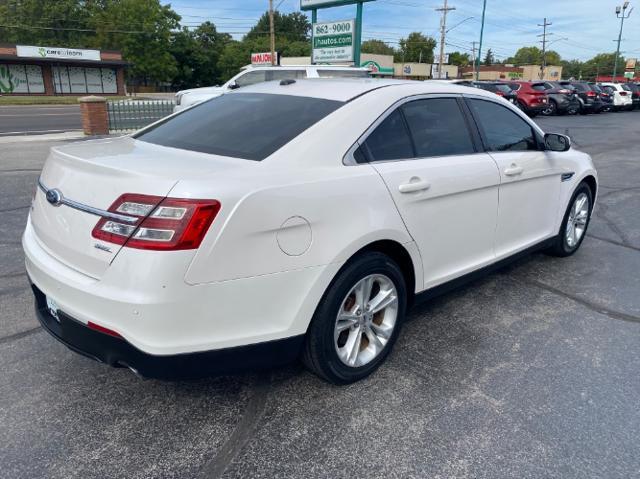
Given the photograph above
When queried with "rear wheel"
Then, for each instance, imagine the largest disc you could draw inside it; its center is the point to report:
(575, 223)
(357, 320)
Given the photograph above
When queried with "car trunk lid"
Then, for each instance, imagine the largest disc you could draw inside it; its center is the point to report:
(90, 176)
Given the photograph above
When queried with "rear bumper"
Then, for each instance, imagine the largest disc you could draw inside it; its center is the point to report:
(118, 352)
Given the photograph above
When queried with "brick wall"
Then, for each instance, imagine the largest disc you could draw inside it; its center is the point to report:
(95, 120)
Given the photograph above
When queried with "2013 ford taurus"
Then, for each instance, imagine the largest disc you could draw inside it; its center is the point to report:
(292, 219)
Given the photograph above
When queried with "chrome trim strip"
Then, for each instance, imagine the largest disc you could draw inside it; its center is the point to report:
(90, 209)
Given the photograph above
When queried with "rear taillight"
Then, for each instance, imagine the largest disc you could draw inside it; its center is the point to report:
(160, 223)
(591, 94)
(564, 91)
(623, 93)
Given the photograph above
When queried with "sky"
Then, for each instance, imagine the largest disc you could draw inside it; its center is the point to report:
(580, 28)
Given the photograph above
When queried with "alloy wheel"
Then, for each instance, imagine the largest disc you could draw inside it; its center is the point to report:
(366, 320)
(577, 221)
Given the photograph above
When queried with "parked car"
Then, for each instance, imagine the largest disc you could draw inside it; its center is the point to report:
(622, 99)
(635, 93)
(530, 100)
(499, 88)
(252, 75)
(587, 96)
(562, 98)
(256, 228)
(604, 96)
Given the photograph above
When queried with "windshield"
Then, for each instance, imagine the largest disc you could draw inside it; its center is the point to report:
(242, 125)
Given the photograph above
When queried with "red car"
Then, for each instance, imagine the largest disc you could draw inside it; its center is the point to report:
(530, 100)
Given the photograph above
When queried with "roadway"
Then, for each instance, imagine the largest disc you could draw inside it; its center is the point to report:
(38, 119)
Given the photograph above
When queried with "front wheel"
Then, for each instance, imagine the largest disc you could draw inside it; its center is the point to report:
(357, 320)
(551, 109)
(575, 223)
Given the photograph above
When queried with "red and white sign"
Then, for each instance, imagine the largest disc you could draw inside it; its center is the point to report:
(262, 58)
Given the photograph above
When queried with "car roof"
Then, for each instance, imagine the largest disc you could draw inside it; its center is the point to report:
(345, 89)
(302, 67)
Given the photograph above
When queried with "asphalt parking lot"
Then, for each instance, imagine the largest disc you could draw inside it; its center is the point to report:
(532, 371)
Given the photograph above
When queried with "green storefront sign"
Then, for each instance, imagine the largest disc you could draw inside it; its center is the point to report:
(333, 41)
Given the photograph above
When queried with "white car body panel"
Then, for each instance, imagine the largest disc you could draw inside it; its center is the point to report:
(618, 99)
(193, 96)
(287, 223)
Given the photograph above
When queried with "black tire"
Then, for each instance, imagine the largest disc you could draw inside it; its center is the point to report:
(319, 354)
(560, 247)
(552, 109)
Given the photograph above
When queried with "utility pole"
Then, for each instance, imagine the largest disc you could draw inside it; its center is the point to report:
(544, 26)
(443, 32)
(621, 13)
(484, 10)
(272, 34)
(473, 50)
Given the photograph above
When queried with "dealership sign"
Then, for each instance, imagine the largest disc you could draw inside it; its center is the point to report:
(263, 59)
(333, 41)
(56, 52)
(313, 4)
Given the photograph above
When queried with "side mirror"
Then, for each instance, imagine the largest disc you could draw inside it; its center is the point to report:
(233, 86)
(557, 142)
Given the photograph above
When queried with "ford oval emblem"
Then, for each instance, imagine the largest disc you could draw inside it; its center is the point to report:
(54, 197)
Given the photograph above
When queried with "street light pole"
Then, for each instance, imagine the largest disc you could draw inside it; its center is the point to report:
(484, 9)
(621, 13)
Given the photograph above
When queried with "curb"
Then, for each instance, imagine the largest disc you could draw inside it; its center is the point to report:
(68, 135)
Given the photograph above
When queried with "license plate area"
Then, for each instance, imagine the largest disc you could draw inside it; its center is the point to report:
(52, 307)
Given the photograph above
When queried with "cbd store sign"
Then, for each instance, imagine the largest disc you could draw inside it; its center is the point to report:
(333, 41)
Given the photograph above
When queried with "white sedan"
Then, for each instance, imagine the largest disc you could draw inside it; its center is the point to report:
(292, 220)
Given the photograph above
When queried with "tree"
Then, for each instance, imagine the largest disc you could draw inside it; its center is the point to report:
(293, 26)
(489, 59)
(416, 48)
(460, 59)
(197, 53)
(572, 68)
(533, 56)
(142, 30)
(377, 47)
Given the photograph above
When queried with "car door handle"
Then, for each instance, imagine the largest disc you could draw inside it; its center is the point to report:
(513, 170)
(415, 184)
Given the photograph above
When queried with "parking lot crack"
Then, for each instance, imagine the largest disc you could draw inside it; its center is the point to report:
(21, 334)
(243, 431)
(616, 243)
(586, 303)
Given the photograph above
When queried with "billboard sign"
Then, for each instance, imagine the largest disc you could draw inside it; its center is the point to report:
(332, 42)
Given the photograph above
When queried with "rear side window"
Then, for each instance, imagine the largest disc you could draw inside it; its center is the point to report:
(242, 125)
(503, 129)
(438, 127)
(390, 140)
(538, 86)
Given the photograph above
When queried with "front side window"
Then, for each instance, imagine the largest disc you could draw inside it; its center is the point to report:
(503, 129)
(344, 73)
(390, 140)
(438, 127)
(241, 125)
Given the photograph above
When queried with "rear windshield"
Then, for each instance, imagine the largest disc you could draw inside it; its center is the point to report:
(241, 125)
(343, 73)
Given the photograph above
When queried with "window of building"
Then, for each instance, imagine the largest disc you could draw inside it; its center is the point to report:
(84, 80)
(15, 78)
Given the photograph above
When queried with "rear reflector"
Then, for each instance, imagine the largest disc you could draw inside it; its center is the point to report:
(167, 224)
(102, 329)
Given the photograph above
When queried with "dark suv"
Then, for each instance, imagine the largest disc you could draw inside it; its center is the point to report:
(500, 89)
(563, 99)
(589, 100)
(605, 96)
(635, 93)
